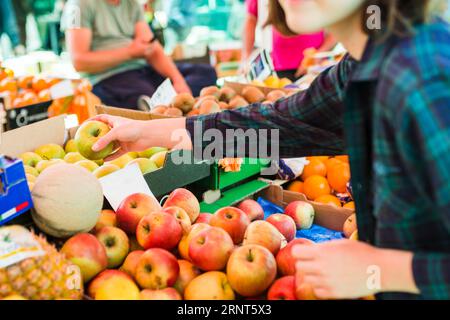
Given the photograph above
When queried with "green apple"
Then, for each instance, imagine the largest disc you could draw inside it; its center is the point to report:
(73, 157)
(87, 164)
(150, 152)
(71, 146)
(105, 170)
(44, 164)
(146, 165)
(122, 161)
(87, 135)
(50, 151)
(30, 159)
(31, 170)
(99, 162)
(159, 158)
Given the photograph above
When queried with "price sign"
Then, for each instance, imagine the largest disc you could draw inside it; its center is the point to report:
(163, 95)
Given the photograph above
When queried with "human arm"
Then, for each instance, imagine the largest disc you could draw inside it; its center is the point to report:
(157, 58)
(85, 60)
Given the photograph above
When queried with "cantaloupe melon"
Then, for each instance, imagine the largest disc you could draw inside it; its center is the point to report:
(67, 200)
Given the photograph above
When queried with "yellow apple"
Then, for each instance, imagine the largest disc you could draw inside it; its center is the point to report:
(105, 170)
(44, 164)
(122, 161)
(146, 165)
(30, 159)
(150, 152)
(31, 170)
(71, 146)
(50, 151)
(87, 164)
(159, 158)
(73, 157)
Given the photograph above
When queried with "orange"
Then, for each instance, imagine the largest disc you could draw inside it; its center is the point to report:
(296, 186)
(343, 158)
(8, 85)
(39, 84)
(17, 102)
(25, 82)
(331, 162)
(314, 168)
(44, 95)
(350, 205)
(329, 199)
(316, 186)
(320, 158)
(339, 176)
(29, 98)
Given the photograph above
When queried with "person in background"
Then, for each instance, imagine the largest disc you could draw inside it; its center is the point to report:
(115, 49)
(287, 51)
(8, 25)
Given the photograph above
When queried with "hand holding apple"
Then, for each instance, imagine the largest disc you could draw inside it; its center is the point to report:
(87, 135)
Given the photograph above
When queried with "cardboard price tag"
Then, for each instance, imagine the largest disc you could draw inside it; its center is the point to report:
(261, 66)
(120, 184)
(163, 95)
(62, 89)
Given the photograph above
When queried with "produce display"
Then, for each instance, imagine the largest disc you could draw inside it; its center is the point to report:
(214, 99)
(326, 180)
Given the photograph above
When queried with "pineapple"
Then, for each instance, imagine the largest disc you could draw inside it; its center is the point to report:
(32, 268)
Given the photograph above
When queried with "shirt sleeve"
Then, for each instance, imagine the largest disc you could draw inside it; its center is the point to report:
(252, 7)
(307, 123)
(424, 144)
(138, 12)
(77, 14)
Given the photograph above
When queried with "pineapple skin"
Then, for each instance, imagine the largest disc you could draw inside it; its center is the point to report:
(47, 277)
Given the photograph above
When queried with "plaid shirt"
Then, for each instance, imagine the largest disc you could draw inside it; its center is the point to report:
(391, 113)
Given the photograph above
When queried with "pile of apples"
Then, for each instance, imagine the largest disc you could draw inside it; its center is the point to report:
(143, 251)
(213, 100)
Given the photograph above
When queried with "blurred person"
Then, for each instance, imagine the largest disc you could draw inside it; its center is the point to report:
(386, 105)
(23, 8)
(287, 51)
(115, 49)
(8, 25)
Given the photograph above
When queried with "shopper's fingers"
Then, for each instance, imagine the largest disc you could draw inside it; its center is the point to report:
(304, 252)
(308, 268)
(322, 293)
(105, 140)
(109, 120)
(313, 280)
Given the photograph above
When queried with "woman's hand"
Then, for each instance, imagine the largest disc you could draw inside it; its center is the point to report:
(344, 269)
(128, 134)
(181, 86)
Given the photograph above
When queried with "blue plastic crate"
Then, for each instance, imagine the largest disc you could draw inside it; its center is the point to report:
(15, 196)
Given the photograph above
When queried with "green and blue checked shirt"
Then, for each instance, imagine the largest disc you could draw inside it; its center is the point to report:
(391, 113)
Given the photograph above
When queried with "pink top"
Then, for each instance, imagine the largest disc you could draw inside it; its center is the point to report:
(287, 52)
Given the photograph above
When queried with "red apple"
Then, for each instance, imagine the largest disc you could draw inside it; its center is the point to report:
(107, 219)
(232, 220)
(251, 270)
(183, 246)
(282, 289)
(162, 294)
(210, 249)
(181, 216)
(253, 209)
(133, 209)
(185, 200)
(85, 251)
(285, 224)
(285, 260)
(204, 218)
(103, 278)
(157, 269)
(187, 272)
(212, 285)
(159, 230)
(116, 245)
(302, 213)
(131, 262)
(264, 234)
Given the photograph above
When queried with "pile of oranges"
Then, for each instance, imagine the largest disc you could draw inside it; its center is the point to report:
(323, 179)
(26, 90)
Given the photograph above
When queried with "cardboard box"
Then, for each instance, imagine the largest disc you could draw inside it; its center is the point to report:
(128, 113)
(326, 215)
